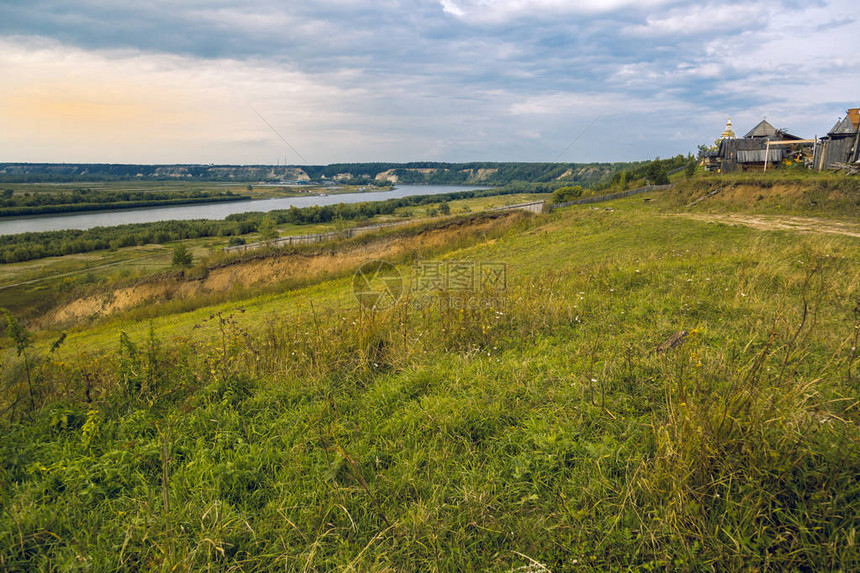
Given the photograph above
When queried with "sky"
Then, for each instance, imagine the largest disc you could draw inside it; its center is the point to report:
(274, 81)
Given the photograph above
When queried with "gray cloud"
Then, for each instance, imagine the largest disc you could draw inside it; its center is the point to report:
(480, 79)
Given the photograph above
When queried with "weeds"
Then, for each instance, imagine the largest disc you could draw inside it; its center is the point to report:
(537, 431)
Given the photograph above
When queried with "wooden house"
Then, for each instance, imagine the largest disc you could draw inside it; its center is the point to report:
(841, 144)
(763, 146)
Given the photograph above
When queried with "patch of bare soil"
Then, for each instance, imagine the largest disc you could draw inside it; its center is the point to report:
(780, 223)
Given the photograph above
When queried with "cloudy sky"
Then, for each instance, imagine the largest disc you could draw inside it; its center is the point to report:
(195, 81)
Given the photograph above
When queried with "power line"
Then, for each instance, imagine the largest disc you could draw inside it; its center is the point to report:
(279, 135)
(581, 133)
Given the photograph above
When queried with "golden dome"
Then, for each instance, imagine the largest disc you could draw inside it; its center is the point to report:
(729, 132)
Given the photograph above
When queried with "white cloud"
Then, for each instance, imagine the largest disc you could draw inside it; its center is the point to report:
(797, 57)
(347, 80)
(700, 19)
(502, 10)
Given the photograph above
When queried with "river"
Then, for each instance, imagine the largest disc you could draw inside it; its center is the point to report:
(89, 220)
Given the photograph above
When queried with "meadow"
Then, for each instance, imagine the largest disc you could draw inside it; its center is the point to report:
(647, 390)
(29, 288)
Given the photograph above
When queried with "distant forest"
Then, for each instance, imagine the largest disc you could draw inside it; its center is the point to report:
(429, 173)
(15, 205)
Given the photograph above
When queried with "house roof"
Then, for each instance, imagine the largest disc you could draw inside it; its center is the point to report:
(844, 127)
(763, 129)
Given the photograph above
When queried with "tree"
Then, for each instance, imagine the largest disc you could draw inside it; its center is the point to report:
(690, 169)
(268, 228)
(181, 256)
(445, 209)
(656, 173)
(706, 149)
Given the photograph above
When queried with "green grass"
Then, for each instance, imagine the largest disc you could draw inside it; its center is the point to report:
(780, 192)
(295, 431)
(30, 288)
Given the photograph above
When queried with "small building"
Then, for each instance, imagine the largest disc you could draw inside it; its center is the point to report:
(841, 144)
(762, 146)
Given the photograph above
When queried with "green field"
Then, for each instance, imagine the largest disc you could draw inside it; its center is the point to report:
(547, 425)
(29, 288)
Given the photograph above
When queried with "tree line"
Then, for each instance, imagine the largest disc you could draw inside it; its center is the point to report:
(654, 172)
(37, 245)
(492, 173)
(17, 204)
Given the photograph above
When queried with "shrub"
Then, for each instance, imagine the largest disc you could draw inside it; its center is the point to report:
(181, 256)
(563, 194)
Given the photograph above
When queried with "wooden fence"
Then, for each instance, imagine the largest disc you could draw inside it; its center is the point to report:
(610, 197)
(535, 207)
(315, 237)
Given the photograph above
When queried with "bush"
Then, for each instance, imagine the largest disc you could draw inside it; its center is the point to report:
(181, 256)
(564, 194)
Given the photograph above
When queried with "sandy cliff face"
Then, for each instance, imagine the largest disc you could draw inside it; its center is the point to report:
(392, 177)
(387, 176)
(296, 174)
(479, 175)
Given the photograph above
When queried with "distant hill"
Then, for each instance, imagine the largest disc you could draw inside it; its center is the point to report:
(418, 173)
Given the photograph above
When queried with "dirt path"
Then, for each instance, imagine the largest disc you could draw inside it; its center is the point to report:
(781, 223)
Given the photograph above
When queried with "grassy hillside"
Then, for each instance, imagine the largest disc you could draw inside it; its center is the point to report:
(779, 192)
(33, 288)
(544, 425)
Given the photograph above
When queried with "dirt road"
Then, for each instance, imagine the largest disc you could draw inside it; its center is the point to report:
(781, 223)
